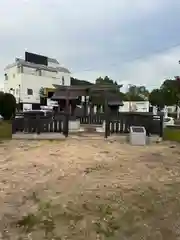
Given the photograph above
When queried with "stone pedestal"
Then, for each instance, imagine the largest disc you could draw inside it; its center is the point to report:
(74, 126)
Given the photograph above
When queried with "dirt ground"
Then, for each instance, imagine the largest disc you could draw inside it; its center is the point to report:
(89, 189)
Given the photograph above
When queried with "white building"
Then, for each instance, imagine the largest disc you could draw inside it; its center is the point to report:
(139, 106)
(25, 79)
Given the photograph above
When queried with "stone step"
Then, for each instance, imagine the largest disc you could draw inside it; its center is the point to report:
(90, 125)
(90, 128)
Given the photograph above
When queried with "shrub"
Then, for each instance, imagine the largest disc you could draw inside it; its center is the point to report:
(7, 105)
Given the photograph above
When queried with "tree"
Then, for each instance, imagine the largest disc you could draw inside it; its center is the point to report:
(98, 100)
(137, 93)
(77, 82)
(7, 106)
(171, 91)
(156, 98)
(107, 81)
(115, 89)
(41, 92)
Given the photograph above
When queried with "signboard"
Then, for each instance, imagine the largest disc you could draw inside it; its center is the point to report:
(27, 107)
(51, 103)
(36, 58)
(137, 129)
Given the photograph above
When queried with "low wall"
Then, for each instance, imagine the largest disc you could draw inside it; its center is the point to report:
(172, 133)
(5, 130)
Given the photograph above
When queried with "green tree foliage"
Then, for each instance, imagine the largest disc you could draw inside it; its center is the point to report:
(7, 105)
(76, 82)
(98, 100)
(43, 98)
(137, 93)
(41, 92)
(156, 98)
(168, 94)
(107, 81)
(171, 91)
(115, 89)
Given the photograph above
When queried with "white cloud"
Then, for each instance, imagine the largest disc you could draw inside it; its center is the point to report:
(149, 71)
(154, 70)
(93, 34)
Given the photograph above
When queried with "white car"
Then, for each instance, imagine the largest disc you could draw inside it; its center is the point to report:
(1, 118)
(168, 121)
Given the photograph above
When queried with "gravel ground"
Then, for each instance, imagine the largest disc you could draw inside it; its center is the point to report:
(89, 188)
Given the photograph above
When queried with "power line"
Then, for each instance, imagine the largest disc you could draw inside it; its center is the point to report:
(134, 59)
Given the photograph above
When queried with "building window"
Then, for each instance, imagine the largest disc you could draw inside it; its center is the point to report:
(62, 80)
(6, 76)
(29, 91)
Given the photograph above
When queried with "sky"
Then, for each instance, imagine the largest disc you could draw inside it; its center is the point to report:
(131, 41)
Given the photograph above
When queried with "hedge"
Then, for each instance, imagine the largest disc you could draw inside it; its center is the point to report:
(172, 133)
(5, 130)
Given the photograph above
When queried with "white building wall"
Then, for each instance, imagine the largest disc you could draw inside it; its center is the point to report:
(30, 79)
(12, 82)
(139, 106)
(50, 64)
(35, 82)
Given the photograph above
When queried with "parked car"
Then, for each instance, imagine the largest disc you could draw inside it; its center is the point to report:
(168, 121)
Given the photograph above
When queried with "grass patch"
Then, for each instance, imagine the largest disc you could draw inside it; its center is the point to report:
(143, 213)
(172, 133)
(5, 130)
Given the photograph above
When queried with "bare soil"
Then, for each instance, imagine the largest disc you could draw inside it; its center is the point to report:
(89, 188)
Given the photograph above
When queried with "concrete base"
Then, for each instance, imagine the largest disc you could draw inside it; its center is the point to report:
(76, 131)
(74, 126)
(100, 130)
(104, 125)
(42, 136)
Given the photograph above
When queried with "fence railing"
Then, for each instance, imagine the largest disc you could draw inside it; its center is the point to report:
(37, 125)
(96, 119)
(118, 124)
(121, 124)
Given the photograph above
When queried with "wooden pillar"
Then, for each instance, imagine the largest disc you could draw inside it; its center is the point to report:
(73, 107)
(107, 122)
(161, 126)
(38, 124)
(85, 106)
(66, 117)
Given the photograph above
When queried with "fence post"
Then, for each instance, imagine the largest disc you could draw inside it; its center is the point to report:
(161, 126)
(66, 117)
(13, 126)
(38, 124)
(107, 124)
